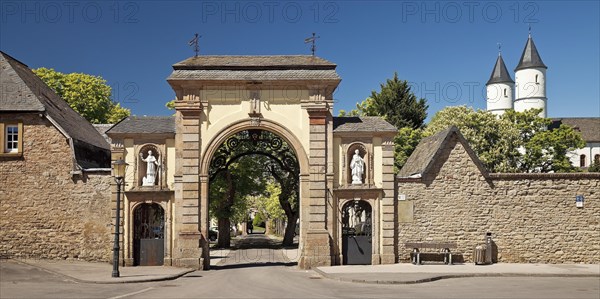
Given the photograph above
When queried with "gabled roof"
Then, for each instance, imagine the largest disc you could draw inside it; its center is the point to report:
(254, 68)
(530, 57)
(23, 91)
(144, 125)
(500, 73)
(589, 127)
(362, 124)
(423, 158)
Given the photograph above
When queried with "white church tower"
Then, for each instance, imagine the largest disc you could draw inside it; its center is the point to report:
(530, 77)
(499, 88)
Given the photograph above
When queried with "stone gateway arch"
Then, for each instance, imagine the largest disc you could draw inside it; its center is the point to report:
(292, 97)
(289, 97)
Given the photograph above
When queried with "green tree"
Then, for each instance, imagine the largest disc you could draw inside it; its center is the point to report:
(89, 95)
(405, 143)
(595, 167)
(514, 142)
(488, 135)
(229, 192)
(396, 103)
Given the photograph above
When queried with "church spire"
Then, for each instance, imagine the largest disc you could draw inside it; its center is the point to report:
(530, 57)
(500, 73)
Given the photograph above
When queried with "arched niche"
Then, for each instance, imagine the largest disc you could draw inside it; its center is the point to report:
(364, 154)
(142, 163)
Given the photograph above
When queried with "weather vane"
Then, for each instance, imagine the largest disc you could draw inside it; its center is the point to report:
(194, 42)
(312, 40)
(499, 48)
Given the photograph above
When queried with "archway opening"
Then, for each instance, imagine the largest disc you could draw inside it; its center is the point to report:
(148, 235)
(357, 230)
(254, 189)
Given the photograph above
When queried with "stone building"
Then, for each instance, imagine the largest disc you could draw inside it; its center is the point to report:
(283, 103)
(445, 194)
(54, 173)
(59, 201)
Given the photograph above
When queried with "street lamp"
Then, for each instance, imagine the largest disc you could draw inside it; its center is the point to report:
(119, 174)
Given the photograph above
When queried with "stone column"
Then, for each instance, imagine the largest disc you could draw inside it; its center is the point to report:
(389, 220)
(187, 251)
(317, 244)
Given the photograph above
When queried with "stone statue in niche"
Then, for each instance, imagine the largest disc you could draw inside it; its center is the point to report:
(151, 166)
(358, 168)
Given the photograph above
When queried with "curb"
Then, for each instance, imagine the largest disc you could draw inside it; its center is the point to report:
(141, 280)
(436, 277)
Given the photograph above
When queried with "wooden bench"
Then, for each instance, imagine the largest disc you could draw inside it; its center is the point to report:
(442, 248)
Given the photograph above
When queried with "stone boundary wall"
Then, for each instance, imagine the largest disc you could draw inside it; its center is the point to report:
(45, 212)
(532, 217)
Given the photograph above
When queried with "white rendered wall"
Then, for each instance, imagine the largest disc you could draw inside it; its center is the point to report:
(590, 150)
(530, 90)
(499, 97)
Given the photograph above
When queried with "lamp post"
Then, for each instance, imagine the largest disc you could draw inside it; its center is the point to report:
(119, 174)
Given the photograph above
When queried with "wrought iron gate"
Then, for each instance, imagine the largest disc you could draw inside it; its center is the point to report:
(356, 233)
(149, 235)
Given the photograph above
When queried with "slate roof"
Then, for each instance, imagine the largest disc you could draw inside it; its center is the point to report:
(240, 62)
(589, 127)
(144, 125)
(23, 91)
(530, 57)
(254, 68)
(362, 124)
(102, 128)
(247, 75)
(423, 157)
(500, 73)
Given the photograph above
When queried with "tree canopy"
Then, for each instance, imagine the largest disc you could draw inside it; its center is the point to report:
(88, 95)
(396, 103)
(513, 142)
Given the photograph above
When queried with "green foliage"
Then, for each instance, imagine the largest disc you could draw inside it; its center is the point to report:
(229, 191)
(259, 220)
(396, 103)
(489, 136)
(405, 143)
(89, 95)
(514, 142)
(595, 167)
(170, 104)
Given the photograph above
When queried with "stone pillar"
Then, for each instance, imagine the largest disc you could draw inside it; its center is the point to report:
(388, 218)
(317, 242)
(187, 251)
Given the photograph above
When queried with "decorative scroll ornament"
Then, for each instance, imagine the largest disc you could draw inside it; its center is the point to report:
(254, 142)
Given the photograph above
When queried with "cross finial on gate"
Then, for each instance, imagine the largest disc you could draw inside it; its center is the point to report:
(312, 40)
(194, 42)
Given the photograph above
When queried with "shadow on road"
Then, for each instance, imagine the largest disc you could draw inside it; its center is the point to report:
(253, 265)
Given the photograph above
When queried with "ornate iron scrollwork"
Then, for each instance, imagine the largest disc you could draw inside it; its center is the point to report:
(254, 142)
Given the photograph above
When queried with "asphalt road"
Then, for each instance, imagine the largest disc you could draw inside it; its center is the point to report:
(256, 270)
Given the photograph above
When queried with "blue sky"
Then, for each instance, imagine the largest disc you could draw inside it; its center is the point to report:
(445, 49)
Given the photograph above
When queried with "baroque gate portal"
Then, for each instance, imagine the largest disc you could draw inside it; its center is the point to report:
(290, 97)
(218, 96)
